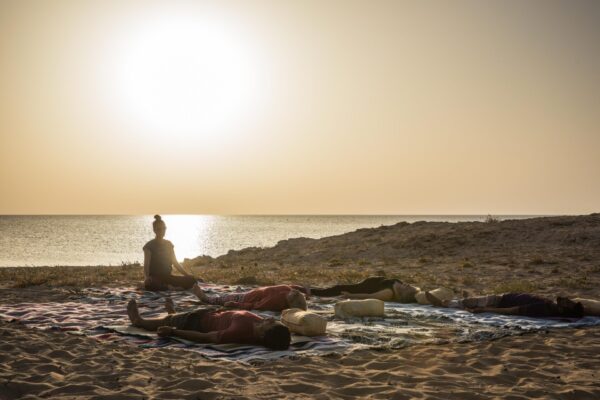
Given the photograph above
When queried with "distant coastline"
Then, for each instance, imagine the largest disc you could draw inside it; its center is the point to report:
(92, 240)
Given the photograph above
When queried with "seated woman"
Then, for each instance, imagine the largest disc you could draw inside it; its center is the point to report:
(374, 287)
(213, 326)
(159, 256)
(268, 298)
(524, 304)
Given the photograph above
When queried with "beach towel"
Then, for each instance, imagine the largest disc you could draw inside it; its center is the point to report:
(100, 313)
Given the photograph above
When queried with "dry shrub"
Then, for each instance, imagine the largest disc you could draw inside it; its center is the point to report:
(491, 219)
(516, 286)
(21, 277)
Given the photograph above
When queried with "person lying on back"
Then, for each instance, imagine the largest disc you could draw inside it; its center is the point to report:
(523, 304)
(268, 298)
(374, 287)
(215, 326)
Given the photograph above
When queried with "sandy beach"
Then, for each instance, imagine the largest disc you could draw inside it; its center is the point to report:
(545, 255)
(554, 365)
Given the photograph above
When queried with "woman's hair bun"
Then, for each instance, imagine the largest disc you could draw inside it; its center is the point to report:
(157, 223)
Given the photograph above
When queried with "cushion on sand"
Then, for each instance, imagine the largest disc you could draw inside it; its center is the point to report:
(359, 308)
(590, 307)
(304, 322)
(440, 293)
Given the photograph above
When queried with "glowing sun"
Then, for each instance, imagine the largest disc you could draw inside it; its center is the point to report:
(185, 75)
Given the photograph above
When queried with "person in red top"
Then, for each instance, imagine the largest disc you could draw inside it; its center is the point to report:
(215, 326)
(268, 298)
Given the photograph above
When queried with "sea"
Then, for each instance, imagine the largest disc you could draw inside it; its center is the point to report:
(90, 240)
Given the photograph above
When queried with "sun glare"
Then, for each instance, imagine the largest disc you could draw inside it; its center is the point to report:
(185, 75)
(188, 233)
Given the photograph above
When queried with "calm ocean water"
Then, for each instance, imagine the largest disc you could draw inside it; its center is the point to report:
(112, 240)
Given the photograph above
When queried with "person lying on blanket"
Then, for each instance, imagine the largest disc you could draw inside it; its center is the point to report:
(159, 256)
(374, 287)
(524, 304)
(268, 298)
(215, 326)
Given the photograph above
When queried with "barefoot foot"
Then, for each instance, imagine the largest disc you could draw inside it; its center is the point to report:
(199, 293)
(169, 305)
(133, 313)
(433, 300)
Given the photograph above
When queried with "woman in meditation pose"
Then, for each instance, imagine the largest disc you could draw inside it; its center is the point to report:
(159, 256)
(374, 287)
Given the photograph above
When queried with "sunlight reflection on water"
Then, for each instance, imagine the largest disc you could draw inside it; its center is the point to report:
(189, 233)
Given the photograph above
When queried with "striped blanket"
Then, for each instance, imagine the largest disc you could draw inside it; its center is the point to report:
(101, 314)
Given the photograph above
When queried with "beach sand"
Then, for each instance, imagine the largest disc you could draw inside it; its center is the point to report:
(556, 365)
(545, 255)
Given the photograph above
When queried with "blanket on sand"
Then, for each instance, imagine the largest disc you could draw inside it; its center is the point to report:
(101, 313)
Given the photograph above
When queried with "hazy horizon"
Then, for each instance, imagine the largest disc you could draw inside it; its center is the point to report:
(295, 215)
(299, 108)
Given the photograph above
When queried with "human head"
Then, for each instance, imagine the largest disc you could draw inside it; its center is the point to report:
(274, 334)
(296, 299)
(404, 293)
(569, 308)
(159, 227)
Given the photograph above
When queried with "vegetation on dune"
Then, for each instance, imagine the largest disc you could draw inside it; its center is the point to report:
(21, 277)
(542, 255)
(516, 286)
(474, 281)
(270, 274)
(490, 219)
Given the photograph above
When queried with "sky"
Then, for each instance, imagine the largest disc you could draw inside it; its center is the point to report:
(299, 107)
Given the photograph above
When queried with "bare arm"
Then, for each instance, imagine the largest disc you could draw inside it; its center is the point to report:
(383, 295)
(505, 311)
(243, 306)
(178, 266)
(147, 256)
(195, 336)
(229, 335)
(299, 288)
